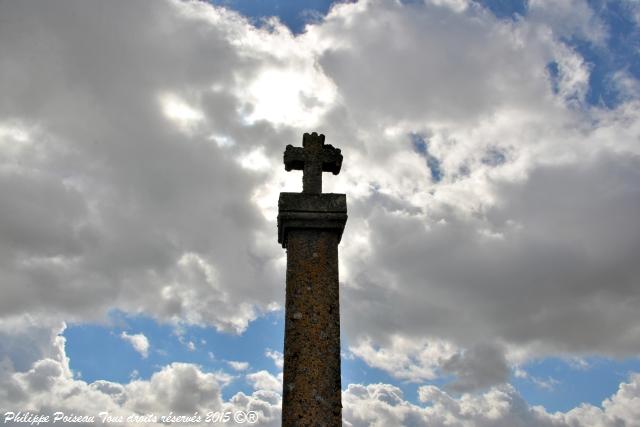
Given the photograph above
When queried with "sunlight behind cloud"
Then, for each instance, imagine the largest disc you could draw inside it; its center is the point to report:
(13, 139)
(14, 132)
(288, 96)
(255, 160)
(179, 111)
(222, 141)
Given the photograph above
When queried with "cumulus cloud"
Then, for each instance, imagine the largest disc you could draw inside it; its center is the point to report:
(184, 389)
(573, 18)
(47, 385)
(140, 163)
(589, 271)
(264, 380)
(476, 368)
(179, 388)
(276, 356)
(238, 366)
(139, 342)
(108, 194)
(405, 359)
(383, 404)
(462, 256)
(24, 340)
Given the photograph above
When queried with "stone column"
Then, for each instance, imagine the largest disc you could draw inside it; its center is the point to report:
(310, 228)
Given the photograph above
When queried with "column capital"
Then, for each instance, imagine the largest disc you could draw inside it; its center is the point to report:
(326, 211)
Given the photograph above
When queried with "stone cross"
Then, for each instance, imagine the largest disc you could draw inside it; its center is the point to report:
(310, 226)
(312, 158)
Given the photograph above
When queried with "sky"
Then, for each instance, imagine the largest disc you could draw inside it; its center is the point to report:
(489, 273)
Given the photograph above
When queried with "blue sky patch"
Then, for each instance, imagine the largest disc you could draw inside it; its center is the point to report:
(505, 8)
(560, 385)
(421, 146)
(294, 14)
(99, 353)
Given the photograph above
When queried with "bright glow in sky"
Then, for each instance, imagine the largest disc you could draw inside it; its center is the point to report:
(279, 97)
(179, 111)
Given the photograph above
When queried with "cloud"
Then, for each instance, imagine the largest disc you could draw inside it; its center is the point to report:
(25, 340)
(405, 359)
(573, 18)
(107, 190)
(139, 342)
(238, 366)
(140, 163)
(477, 368)
(488, 264)
(383, 404)
(264, 380)
(465, 258)
(183, 389)
(276, 356)
(47, 385)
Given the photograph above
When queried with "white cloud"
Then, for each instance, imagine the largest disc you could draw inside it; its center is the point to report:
(179, 111)
(626, 85)
(525, 243)
(479, 367)
(276, 356)
(461, 260)
(264, 380)
(292, 96)
(383, 404)
(405, 359)
(139, 342)
(48, 385)
(574, 18)
(183, 388)
(455, 5)
(109, 181)
(238, 366)
(255, 160)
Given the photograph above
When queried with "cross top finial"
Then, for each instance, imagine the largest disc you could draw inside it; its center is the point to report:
(313, 158)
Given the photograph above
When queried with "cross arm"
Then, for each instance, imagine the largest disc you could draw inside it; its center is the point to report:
(293, 158)
(331, 159)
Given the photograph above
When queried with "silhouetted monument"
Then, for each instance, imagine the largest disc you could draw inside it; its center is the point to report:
(310, 226)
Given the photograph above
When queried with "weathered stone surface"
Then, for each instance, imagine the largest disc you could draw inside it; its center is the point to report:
(326, 202)
(310, 226)
(313, 158)
(319, 211)
(312, 384)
